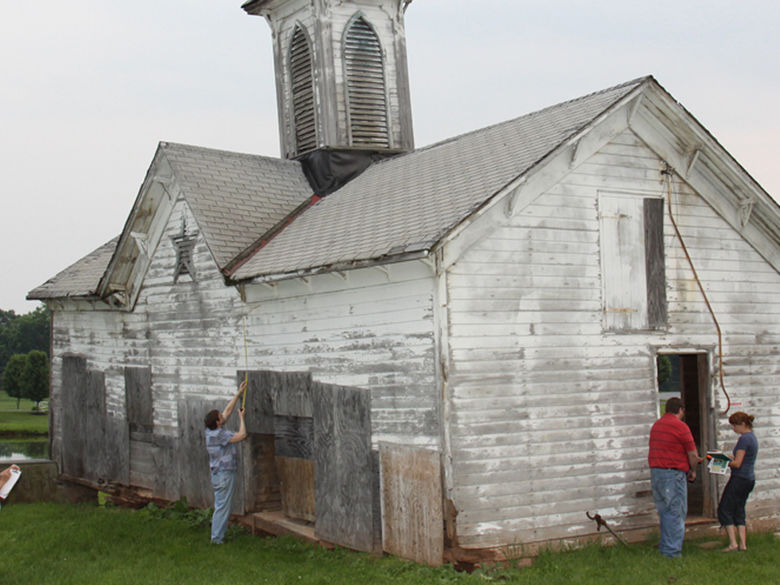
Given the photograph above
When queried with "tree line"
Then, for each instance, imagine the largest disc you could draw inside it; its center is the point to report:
(24, 354)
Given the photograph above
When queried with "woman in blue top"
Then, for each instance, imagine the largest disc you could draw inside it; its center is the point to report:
(731, 510)
(223, 462)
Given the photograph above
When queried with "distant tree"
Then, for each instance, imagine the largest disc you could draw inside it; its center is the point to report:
(12, 377)
(23, 333)
(6, 317)
(35, 377)
(31, 331)
(664, 369)
(6, 346)
(5, 355)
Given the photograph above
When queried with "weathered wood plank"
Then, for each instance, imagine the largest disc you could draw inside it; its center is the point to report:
(261, 483)
(655, 265)
(74, 381)
(95, 444)
(296, 479)
(345, 477)
(412, 516)
(259, 409)
(166, 479)
(142, 467)
(290, 392)
(293, 437)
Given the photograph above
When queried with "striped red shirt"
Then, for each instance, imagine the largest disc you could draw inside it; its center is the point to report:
(670, 441)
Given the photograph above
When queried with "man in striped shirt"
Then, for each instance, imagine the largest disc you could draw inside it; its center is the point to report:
(672, 458)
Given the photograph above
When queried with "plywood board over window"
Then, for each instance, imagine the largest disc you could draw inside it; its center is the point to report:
(346, 473)
(632, 262)
(97, 443)
(412, 516)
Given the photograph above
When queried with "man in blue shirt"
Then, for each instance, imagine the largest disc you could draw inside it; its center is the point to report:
(223, 462)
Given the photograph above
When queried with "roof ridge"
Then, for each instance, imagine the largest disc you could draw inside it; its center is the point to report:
(168, 146)
(635, 82)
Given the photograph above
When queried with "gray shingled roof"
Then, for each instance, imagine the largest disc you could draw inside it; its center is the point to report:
(403, 204)
(236, 198)
(409, 202)
(79, 279)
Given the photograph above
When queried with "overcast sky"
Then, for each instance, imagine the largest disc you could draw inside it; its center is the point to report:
(89, 87)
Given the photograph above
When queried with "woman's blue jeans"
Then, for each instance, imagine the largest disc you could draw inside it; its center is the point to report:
(222, 482)
(670, 492)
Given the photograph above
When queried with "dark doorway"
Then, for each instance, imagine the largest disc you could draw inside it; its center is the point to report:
(689, 379)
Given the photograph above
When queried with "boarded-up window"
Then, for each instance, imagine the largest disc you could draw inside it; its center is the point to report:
(138, 393)
(367, 102)
(302, 83)
(632, 262)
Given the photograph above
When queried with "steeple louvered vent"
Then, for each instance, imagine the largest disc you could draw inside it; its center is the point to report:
(342, 81)
(302, 93)
(366, 96)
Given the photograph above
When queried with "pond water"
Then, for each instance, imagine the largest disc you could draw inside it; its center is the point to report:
(24, 449)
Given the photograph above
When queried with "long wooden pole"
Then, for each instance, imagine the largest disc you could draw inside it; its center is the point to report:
(246, 366)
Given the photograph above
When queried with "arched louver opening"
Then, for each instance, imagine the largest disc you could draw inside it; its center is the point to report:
(367, 103)
(302, 81)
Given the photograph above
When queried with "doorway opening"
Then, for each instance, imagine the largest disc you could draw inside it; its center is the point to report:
(687, 375)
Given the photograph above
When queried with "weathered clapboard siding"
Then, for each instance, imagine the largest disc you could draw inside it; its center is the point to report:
(743, 290)
(186, 317)
(544, 406)
(107, 344)
(191, 325)
(370, 329)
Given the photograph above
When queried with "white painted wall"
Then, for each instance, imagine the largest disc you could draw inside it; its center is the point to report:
(369, 328)
(549, 414)
(184, 332)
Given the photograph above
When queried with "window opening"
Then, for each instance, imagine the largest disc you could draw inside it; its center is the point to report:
(632, 259)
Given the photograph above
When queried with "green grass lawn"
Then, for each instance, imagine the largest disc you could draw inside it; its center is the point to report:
(21, 421)
(8, 403)
(76, 544)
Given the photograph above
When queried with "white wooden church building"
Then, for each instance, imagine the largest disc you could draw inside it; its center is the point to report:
(450, 349)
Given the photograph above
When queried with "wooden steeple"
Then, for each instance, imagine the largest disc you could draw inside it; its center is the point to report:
(342, 82)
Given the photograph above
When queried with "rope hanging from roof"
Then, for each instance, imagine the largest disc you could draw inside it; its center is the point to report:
(246, 366)
(667, 173)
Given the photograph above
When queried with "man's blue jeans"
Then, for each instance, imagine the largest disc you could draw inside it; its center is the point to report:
(222, 482)
(670, 492)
